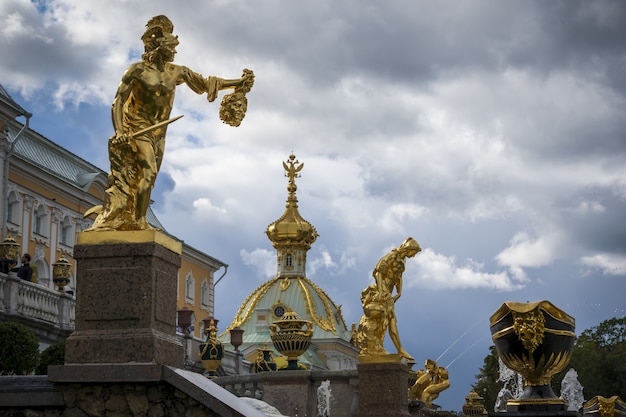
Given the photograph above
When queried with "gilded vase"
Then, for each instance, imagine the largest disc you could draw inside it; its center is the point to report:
(289, 337)
(535, 340)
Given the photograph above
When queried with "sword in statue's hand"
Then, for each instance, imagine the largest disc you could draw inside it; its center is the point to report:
(116, 140)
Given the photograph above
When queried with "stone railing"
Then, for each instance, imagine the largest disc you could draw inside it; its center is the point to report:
(243, 385)
(297, 392)
(35, 306)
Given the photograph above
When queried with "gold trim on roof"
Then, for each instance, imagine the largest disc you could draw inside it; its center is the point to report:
(253, 299)
(325, 323)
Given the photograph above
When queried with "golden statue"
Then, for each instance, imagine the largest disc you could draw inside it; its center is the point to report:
(600, 406)
(379, 303)
(430, 382)
(141, 112)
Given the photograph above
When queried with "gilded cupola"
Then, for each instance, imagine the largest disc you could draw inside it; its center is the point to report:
(291, 235)
(291, 290)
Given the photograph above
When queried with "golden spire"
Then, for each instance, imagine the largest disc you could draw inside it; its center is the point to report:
(291, 229)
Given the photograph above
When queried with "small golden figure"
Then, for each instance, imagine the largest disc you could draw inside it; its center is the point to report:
(430, 382)
(141, 112)
(379, 302)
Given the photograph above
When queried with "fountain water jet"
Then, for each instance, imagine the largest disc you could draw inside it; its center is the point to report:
(572, 391)
(513, 386)
(323, 399)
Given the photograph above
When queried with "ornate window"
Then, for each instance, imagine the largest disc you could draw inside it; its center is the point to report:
(288, 260)
(41, 221)
(190, 284)
(14, 210)
(204, 295)
(66, 232)
(279, 310)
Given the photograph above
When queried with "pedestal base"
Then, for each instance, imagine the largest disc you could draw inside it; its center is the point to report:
(126, 302)
(383, 390)
(122, 346)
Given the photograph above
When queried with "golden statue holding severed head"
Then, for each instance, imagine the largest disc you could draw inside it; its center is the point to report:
(379, 305)
(141, 113)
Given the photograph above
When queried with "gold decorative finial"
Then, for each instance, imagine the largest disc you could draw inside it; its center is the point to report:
(292, 168)
(291, 228)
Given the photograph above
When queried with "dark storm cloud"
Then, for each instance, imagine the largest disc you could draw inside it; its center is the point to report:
(415, 42)
(41, 50)
(597, 224)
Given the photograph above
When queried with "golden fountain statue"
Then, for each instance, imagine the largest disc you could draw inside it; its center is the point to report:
(429, 383)
(379, 307)
(141, 113)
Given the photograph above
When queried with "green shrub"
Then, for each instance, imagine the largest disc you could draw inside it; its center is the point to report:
(52, 355)
(19, 349)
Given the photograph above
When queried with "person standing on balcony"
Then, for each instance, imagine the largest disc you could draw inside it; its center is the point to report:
(24, 272)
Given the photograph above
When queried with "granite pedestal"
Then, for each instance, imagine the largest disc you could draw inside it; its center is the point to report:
(383, 389)
(126, 300)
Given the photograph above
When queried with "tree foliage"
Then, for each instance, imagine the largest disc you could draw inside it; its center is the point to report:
(599, 358)
(19, 349)
(52, 355)
(487, 384)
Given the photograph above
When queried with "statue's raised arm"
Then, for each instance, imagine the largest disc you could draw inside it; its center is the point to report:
(141, 113)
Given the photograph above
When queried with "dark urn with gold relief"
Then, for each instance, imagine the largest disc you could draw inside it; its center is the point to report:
(212, 351)
(536, 340)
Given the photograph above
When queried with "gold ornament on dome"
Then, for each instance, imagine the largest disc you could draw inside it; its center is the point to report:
(291, 230)
(141, 113)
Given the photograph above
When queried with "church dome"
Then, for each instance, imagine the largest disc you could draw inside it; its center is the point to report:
(291, 290)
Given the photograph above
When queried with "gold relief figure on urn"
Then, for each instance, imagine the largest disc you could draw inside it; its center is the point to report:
(212, 351)
(290, 338)
(600, 406)
(264, 360)
(535, 340)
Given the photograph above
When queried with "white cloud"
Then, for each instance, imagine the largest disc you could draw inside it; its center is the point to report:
(262, 260)
(393, 217)
(608, 263)
(203, 208)
(321, 262)
(437, 271)
(525, 251)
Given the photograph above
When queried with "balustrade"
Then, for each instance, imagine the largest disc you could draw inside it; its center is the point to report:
(32, 301)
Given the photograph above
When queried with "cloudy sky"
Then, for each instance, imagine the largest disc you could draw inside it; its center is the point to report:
(492, 132)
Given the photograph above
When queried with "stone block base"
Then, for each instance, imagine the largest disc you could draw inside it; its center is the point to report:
(122, 346)
(383, 390)
(125, 300)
